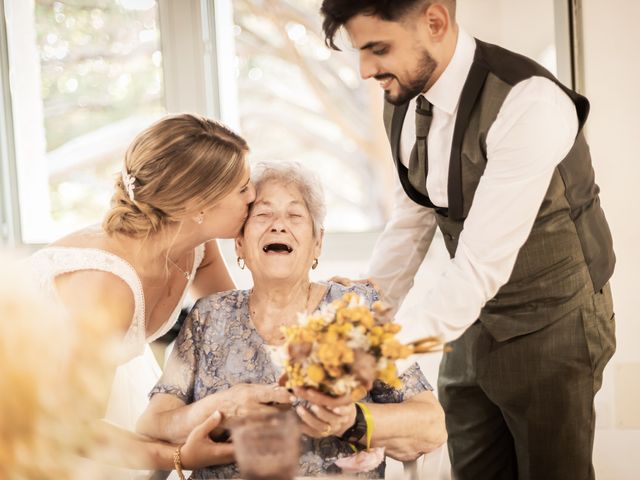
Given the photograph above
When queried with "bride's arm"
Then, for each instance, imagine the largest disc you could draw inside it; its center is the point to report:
(101, 306)
(122, 448)
(97, 296)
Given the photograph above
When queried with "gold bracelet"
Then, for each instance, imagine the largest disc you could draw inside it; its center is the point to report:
(177, 462)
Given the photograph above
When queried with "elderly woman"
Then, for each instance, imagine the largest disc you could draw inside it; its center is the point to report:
(225, 343)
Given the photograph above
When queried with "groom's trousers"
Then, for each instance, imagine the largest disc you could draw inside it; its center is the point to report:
(523, 408)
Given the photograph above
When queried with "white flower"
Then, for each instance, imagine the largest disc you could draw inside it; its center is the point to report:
(358, 339)
(345, 384)
(382, 363)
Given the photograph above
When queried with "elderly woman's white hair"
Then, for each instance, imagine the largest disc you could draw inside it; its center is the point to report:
(304, 179)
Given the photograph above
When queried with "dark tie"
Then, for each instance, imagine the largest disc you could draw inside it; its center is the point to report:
(418, 164)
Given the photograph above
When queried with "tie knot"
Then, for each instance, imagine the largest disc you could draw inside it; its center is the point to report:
(423, 106)
(423, 117)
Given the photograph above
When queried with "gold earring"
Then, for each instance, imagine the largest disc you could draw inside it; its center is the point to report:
(240, 262)
(314, 265)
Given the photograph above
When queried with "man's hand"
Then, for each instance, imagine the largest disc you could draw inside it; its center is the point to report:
(347, 282)
(325, 415)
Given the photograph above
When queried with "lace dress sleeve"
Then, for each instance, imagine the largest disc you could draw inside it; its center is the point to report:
(180, 372)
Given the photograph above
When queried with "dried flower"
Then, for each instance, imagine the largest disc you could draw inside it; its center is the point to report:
(344, 348)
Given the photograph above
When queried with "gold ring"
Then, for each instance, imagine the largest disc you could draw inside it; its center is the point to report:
(326, 431)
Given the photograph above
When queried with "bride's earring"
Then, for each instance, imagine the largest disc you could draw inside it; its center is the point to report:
(240, 262)
(200, 218)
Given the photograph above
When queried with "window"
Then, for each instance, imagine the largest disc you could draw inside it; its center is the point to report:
(85, 77)
(81, 77)
(503, 22)
(298, 100)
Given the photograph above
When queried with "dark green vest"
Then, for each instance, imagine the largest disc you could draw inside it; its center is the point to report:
(568, 254)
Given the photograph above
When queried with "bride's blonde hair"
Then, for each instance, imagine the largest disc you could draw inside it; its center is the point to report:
(179, 166)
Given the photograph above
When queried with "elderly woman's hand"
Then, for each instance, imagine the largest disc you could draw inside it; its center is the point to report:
(243, 399)
(325, 415)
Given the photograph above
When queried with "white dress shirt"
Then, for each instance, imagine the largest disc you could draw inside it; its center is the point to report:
(534, 130)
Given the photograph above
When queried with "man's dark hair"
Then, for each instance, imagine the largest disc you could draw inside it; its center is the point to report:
(338, 12)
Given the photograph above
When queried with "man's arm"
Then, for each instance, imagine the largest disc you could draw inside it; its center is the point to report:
(401, 247)
(534, 131)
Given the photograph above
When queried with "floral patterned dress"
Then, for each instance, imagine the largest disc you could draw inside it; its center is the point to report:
(219, 347)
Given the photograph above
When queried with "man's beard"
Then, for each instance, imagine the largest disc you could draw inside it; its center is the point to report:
(416, 85)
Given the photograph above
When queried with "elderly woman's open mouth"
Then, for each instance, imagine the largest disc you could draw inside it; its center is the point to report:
(277, 248)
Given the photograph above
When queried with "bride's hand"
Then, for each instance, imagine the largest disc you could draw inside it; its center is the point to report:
(200, 451)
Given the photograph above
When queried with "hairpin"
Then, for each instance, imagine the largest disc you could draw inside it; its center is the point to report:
(129, 182)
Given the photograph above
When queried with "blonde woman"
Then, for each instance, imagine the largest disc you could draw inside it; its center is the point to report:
(184, 183)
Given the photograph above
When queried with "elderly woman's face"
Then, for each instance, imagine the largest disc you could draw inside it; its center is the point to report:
(278, 240)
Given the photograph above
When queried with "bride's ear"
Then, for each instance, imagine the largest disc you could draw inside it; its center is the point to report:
(199, 218)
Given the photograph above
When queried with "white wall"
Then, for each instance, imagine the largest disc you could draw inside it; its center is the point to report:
(612, 69)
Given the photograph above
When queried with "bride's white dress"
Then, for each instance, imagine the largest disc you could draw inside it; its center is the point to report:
(139, 371)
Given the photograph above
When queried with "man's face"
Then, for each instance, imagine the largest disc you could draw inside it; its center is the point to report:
(393, 53)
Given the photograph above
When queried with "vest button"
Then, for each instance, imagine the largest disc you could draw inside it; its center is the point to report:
(448, 236)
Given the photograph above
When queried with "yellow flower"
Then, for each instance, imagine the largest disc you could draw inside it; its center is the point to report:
(295, 378)
(297, 334)
(393, 349)
(391, 328)
(375, 336)
(334, 355)
(316, 324)
(389, 375)
(315, 373)
(324, 350)
(366, 319)
(340, 329)
(358, 393)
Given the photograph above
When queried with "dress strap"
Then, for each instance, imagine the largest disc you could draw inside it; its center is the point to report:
(197, 258)
(48, 263)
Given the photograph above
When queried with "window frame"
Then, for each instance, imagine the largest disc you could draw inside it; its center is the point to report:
(10, 226)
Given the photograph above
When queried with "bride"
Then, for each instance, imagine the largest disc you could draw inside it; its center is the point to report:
(184, 183)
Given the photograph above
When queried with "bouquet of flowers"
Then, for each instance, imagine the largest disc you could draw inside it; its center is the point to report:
(344, 347)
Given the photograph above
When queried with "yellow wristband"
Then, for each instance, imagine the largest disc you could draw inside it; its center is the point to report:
(368, 418)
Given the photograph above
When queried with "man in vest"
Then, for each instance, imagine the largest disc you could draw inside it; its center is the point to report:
(489, 147)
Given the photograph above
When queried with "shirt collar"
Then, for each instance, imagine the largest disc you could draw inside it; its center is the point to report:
(445, 93)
